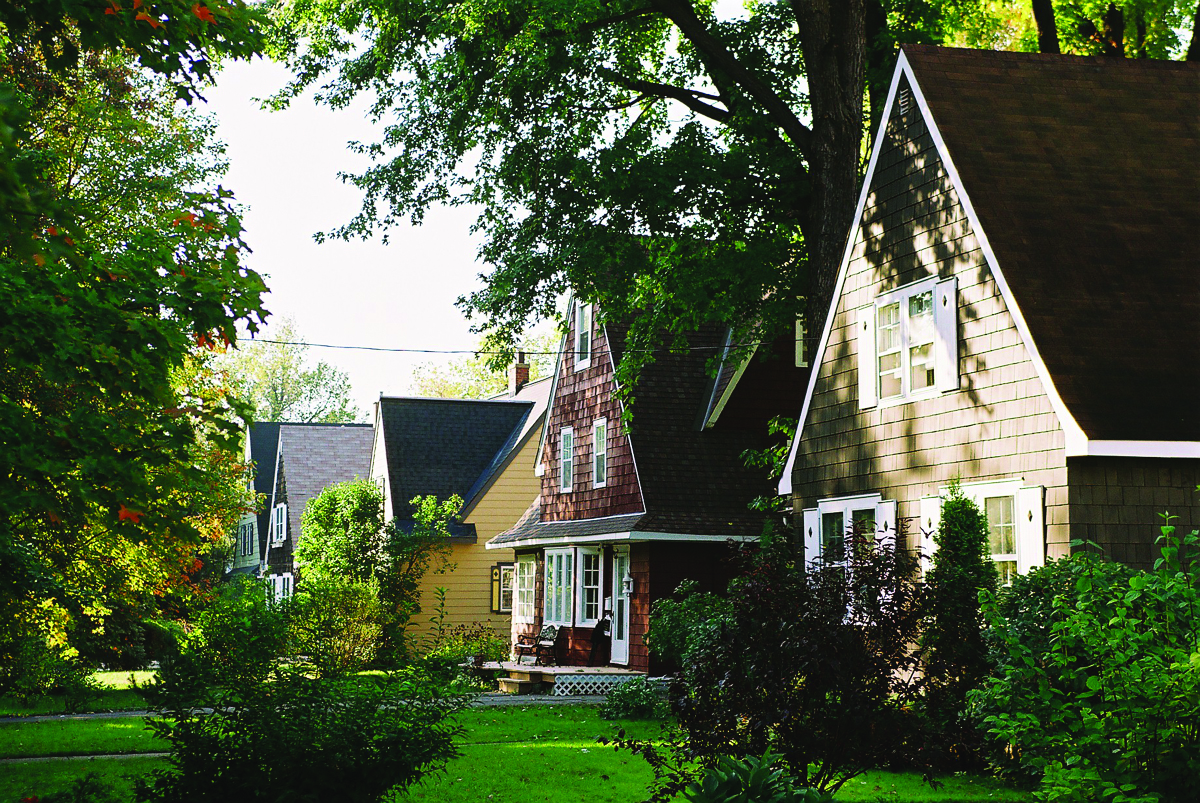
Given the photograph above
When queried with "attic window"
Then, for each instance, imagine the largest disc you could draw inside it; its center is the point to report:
(904, 101)
(583, 336)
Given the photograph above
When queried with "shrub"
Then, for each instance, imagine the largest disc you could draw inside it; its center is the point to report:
(955, 654)
(1097, 693)
(336, 623)
(459, 644)
(91, 788)
(638, 698)
(750, 780)
(687, 619)
(237, 638)
(348, 739)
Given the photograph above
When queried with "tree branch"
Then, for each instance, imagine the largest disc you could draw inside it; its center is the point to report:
(1193, 53)
(1043, 15)
(681, 13)
(688, 97)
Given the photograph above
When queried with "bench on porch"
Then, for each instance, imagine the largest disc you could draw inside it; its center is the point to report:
(540, 646)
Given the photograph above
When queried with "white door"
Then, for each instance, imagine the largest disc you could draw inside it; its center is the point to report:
(620, 596)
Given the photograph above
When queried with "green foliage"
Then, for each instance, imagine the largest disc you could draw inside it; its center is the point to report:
(336, 623)
(1097, 691)
(277, 382)
(91, 788)
(750, 780)
(636, 698)
(773, 460)
(813, 664)
(415, 547)
(461, 644)
(343, 533)
(477, 376)
(299, 738)
(688, 619)
(955, 655)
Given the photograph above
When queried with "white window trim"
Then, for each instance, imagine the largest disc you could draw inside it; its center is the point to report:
(885, 519)
(511, 570)
(580, 606)
(580, 361)
(977, 492)
(564, 484)
(568, 616)
(901, 295)
(279, 523)
(599, 451)
(525, 607)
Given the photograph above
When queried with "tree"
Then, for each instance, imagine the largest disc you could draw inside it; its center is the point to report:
(475, 377)
(275, 381)
(670, 164)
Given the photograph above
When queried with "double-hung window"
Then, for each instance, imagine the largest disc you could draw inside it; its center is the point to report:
(908, 343)
(279, 523)
(523, 588)
(560, 592)
(600, 453)
(589, 587)
(1015, 519)
(862, 518)
(583, 335)
(567, 459)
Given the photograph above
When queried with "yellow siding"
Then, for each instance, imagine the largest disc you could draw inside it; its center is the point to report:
(469, 584)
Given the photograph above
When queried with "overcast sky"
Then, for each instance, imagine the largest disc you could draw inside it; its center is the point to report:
(283, 167)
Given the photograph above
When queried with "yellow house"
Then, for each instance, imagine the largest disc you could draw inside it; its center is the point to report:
(482, 450)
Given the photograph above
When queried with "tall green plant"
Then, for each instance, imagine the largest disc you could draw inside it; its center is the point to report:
(1097, 692)
(954, 652)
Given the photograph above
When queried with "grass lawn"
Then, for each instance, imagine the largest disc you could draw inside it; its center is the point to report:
(118, 695)
(41, 778)
(77, 736)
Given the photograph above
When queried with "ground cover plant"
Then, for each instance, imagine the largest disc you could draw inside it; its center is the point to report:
(1097, 693)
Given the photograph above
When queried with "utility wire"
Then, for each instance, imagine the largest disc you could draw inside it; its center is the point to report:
(473, 351)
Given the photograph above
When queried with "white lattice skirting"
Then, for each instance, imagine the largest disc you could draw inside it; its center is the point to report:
(580, 685)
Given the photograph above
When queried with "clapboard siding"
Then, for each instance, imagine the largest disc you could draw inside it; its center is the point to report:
(999, 425)
(580, 398)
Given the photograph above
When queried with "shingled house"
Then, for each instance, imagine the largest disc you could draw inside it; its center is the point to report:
(250, 547)
(483, 451)
(627, 513)
(308, 459)
(1018, 307)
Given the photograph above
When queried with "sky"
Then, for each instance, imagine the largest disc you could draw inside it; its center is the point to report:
(283, 169)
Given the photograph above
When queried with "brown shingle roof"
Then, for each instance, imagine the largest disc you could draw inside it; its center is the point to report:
(1085, 175)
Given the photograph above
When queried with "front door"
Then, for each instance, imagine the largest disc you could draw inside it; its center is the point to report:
(620, 596)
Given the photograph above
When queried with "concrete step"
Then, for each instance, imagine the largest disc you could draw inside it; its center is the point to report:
(517, 686)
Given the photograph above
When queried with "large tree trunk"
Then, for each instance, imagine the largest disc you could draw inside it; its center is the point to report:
(832, 35)
(1193, 53)
(1043, 15)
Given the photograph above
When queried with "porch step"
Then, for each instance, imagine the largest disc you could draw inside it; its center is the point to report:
(532, 675)
(518, 686)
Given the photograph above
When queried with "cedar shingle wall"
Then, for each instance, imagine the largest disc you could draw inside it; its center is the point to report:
(1115, 501)
(639, 606)
(999, 425)
(580, 398)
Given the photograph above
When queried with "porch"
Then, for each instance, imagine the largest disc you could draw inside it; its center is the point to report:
(559, 681)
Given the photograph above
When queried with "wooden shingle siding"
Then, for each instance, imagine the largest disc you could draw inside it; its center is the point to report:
(998, 425)
(639, 606)
(1116, 502)
(582, 397)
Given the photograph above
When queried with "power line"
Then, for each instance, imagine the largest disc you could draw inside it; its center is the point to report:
(469, 351)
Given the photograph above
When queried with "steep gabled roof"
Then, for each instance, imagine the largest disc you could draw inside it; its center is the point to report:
(315, 456)
(264, 443)
(537, 392)
(447, 446)
(1085, 177)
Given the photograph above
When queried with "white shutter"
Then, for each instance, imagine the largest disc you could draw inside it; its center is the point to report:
(812, 535)
(1031, 530)
(931, 519)
(868, 381)
(885, 521)
(945, 322)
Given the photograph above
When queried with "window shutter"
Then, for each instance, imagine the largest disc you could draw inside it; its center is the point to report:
(868, 384)
(945, 321)
(495, 588)
(812, 535)
(885, 521)
(931, 519)
(1031, 530)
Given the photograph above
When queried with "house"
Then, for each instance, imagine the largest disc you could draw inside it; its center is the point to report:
(308, 459)
(1018, 307)
(483, 451)
(627, 512)
(250, 547)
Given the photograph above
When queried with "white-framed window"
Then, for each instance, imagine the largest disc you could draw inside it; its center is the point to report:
(558, 602)
(281, 585)
(589, 587)
(279, 523)
(600, 453)
(801, 336)
(508, 573)
(523, 588)
(1015, 516)
(566, 459)
(827, 526)
(908, 343)
(583, 335)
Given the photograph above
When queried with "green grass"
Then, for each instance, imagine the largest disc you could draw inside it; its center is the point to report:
(38, 779)
(910, 788)
(77, 737)
(118, 695)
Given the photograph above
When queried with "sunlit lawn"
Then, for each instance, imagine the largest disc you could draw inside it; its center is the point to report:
(40, 778)
(77, 737)
(118, 695)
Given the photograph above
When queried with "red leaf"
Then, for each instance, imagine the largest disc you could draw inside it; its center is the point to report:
(204, 13)
(186, 217)
(133, 515)
(144, 17)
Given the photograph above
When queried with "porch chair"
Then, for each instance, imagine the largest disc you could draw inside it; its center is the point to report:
(538, 646)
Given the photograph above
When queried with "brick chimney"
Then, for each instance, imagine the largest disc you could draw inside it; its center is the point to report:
(518, 374)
